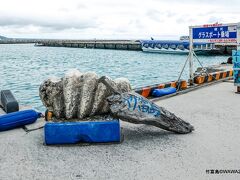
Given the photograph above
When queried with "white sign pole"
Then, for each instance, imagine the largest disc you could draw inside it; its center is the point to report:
(190, 56)
(238, 36)
(238, 48)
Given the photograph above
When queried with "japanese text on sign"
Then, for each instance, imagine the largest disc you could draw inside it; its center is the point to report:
(215, 32)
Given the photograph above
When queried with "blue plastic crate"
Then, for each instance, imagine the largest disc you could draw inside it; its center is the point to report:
(89, 132)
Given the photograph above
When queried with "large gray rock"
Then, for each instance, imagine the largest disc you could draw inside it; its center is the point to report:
(87, 92)
(79, 95)
(134, 108)
(84, 96)
(123, 85)
(71, 89)
(51, 94)
(99, 103)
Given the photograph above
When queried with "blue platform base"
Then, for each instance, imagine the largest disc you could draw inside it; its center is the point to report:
(75, 132)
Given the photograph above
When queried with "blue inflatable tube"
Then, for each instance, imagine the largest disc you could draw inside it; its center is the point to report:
(163, 92)
(75, 132)
(17, 119)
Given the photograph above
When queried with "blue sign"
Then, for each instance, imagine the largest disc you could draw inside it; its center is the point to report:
(236, 67)
(219, 32)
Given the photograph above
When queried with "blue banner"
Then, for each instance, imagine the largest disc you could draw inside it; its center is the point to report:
(236, 67)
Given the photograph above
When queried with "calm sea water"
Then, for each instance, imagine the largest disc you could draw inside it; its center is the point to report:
(24, 67)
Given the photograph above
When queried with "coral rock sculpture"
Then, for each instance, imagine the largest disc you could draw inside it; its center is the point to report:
(79, 95)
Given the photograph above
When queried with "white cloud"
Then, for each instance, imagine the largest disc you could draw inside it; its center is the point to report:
(111, 19)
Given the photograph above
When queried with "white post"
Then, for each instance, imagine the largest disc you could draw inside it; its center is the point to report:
(238, 47)
(238, 36)
(190, 56)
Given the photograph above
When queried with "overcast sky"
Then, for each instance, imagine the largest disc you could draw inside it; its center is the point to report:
(111, 19)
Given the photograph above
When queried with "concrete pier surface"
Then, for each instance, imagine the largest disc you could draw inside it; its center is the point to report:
(146, 152)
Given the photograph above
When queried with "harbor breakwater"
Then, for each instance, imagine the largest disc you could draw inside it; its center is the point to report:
(98, 44)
